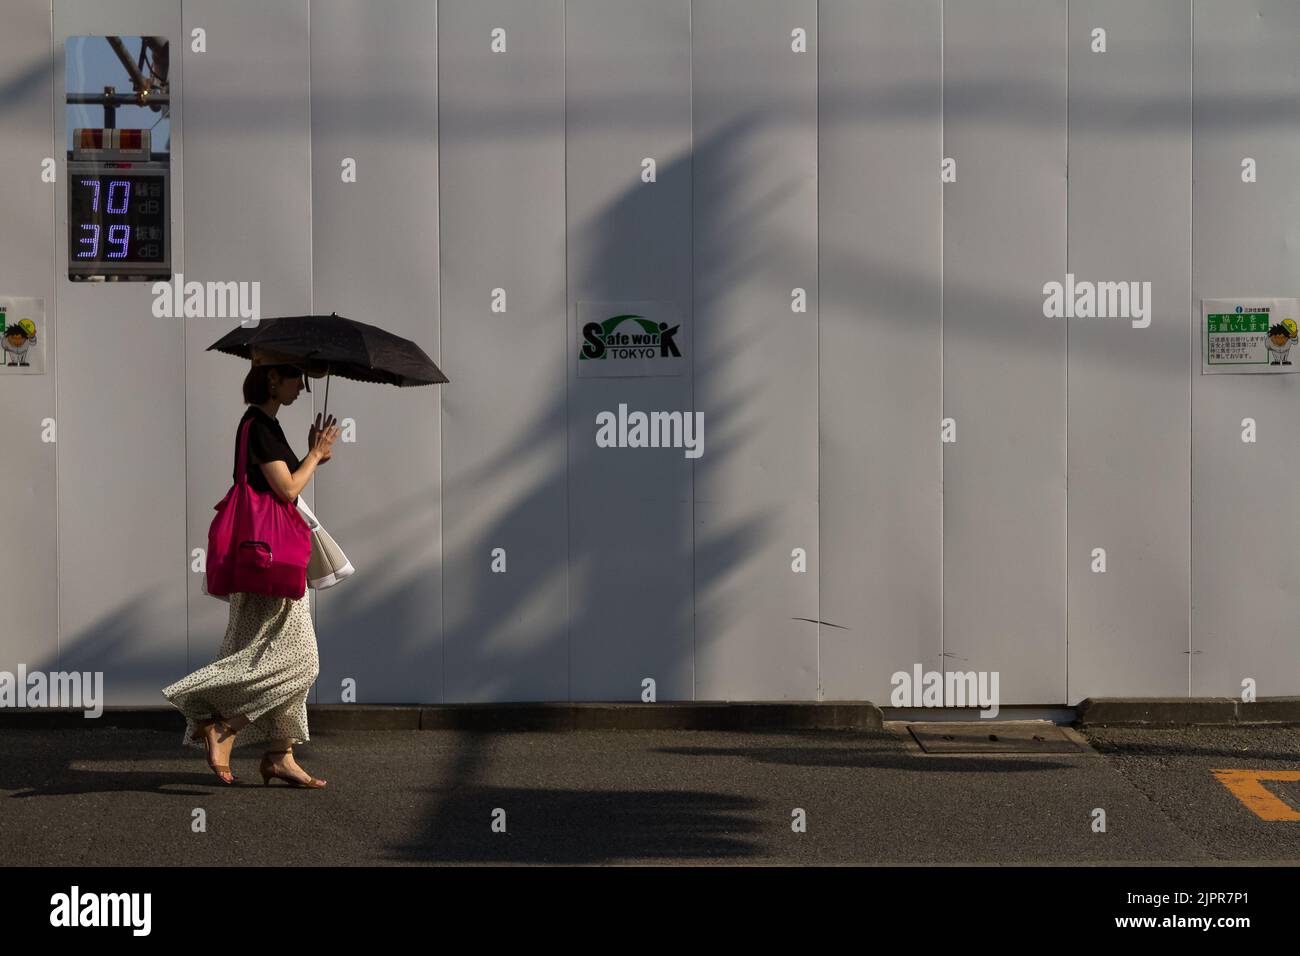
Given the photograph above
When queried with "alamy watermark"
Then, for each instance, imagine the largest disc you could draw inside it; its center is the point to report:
(208, 300)
(71, 689)
(946, 689)
(1100, 300)
(102, 909)
(651, 430)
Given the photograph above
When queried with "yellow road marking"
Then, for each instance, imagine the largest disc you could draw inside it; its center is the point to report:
(1247, 786)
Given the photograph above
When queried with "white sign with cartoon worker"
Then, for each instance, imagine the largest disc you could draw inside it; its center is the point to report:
(1250, 336)
(22, 336)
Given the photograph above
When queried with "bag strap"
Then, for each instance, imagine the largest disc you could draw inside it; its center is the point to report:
(241, 457)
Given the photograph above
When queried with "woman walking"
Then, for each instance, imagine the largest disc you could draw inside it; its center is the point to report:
(256, 689)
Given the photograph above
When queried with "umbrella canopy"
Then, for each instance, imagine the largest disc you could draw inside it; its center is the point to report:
(324, 345)
(334, 345)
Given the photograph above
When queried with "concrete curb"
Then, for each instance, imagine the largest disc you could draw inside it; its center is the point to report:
(560, 716)
(1186, 711)
(679, 715)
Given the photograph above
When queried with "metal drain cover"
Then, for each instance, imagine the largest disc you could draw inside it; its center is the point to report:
(987, 737)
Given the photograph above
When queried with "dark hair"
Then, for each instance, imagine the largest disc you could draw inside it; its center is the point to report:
(257, 383)
(1278, 329)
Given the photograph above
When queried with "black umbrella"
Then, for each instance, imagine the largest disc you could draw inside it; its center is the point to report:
(333, 345)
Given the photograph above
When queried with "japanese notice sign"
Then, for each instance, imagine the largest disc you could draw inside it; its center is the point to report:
(1250, 336)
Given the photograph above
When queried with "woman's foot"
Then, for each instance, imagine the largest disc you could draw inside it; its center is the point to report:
(283, 765)
(221, 741)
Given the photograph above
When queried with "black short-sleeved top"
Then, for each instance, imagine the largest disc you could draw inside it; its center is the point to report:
(266, 442)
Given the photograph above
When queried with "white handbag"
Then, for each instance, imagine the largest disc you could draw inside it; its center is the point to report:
(328, 564)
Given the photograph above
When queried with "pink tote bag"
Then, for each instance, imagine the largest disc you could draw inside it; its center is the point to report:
(257, 542)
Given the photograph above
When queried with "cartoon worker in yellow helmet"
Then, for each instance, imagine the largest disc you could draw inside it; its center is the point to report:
(18, 338)
(1280, 339)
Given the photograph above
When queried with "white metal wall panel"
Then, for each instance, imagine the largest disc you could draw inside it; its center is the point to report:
(628, 87)
(1129, 388)
(1003, 362)
(247, 200)
(374, 71)
(29, 634)
(755, 238)
(1245, 241)
(879, 249)
(502, 180)
(123, 553)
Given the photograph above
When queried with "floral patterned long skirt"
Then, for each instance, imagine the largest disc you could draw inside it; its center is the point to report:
(264, 670)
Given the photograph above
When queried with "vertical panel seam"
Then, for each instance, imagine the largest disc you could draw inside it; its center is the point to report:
(1066, 543)
(442, 475)
(694, 338)
(1191, 340)
(564, 352)
(817, 248)
(54, 302)
(314, 600)
(943, 495)
(185, 335)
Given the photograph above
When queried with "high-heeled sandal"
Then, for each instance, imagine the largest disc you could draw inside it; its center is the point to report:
(267, 770)
(202, 734)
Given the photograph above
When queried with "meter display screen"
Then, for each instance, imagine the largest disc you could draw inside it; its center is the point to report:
(117, 219)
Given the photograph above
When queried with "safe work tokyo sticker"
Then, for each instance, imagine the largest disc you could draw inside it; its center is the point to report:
(1250, 336)
(22, 336)
(630, 338)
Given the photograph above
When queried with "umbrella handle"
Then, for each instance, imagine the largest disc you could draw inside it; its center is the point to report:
(324, 415)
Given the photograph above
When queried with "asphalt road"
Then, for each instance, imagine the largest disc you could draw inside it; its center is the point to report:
(107, 796)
